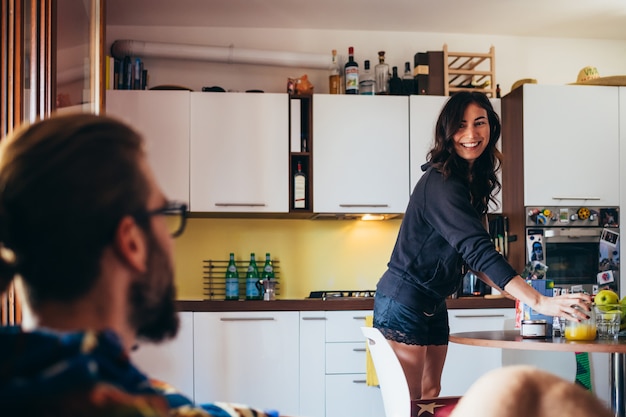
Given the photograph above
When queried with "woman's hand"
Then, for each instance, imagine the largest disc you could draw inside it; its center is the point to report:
(569, 306)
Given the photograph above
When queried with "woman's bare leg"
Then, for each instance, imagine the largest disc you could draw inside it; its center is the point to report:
(422, 367)
(433, 367)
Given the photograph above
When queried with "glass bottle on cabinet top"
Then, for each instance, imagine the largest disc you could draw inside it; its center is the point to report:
(381, 73)
(395, 83)
(367, 84)
(408, 82)
(351, 73)
(334, 79)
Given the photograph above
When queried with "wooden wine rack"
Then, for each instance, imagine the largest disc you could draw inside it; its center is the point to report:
(464, 70)
(214, 271)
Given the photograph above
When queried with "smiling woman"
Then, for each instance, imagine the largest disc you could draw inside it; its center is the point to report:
(442, 237)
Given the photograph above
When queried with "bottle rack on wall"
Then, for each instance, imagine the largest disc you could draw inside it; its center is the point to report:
(214, 271)
(301, 146)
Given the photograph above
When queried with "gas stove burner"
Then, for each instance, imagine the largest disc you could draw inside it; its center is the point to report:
(335, 295)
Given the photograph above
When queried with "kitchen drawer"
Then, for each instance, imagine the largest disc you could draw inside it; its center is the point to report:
(345, 358)
(345, 326)
(349, 396)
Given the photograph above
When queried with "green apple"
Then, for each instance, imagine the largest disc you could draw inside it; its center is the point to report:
(604, 297)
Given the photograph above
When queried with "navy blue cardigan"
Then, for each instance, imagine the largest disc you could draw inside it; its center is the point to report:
(440, 230)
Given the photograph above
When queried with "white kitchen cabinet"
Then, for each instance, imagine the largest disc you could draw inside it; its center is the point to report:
(162, 118)
(347, 394)
(239, 152)
(247, 357)
(170, 361)
(465, 364)
(571, 145)
(360, 154)
(423, 114)
(424, 111)
(312, 363)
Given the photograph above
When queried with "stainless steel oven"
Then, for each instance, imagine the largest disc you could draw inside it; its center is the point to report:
(579, 245)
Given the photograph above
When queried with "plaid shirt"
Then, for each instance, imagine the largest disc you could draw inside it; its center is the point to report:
(51, 374)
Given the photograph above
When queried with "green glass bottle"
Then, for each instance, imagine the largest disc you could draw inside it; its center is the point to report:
(268, 268)
(232, 279)
(252, 277)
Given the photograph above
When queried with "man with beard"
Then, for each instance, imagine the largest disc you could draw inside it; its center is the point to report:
(87, 234)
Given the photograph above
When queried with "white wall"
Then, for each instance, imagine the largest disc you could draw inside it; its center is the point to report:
(549, 60)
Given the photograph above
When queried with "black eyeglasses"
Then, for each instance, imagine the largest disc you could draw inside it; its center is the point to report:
(175, 216)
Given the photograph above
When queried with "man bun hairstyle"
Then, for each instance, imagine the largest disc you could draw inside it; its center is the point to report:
(65, 183)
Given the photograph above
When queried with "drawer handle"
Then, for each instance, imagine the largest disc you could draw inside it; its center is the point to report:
(247, 319)
(474, 316)
(358, 350)
(313, 318)
(240, 204)
(358, 381)
(359, 318)
(575, 198)
(363, 205)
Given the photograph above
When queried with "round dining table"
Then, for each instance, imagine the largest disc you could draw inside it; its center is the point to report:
(511, 339)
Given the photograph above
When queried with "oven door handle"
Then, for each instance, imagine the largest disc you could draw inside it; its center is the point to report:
(591, 234)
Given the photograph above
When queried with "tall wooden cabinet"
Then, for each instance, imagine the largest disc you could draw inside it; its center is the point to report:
(561, 148)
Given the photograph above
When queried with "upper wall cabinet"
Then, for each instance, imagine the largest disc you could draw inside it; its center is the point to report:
(360, 154)
(239, 152)
(424, 111)
(162, 117)
(571, 145)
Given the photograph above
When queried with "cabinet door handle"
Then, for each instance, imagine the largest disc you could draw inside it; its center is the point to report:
(364, 205)
(358, 381)
(313, 318)
(247, 319)
(358, 350)
(240, 204)
(576, 198)
(476, 316)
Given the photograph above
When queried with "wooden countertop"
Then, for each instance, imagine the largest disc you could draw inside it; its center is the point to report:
(326, 305)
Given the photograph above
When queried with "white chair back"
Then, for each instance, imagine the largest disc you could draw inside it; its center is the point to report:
(393, 385)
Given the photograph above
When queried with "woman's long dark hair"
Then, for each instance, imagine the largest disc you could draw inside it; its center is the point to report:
(481, 177)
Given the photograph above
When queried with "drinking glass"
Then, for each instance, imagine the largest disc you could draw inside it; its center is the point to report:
(582, 330)
(608, 319)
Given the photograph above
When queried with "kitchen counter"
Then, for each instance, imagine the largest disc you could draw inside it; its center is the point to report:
(326, 305)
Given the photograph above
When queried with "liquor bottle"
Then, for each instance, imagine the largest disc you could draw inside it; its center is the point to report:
(268, 268)
(334, 79)
(252, 277)
(299, 188)
(232, 279)
(367, 84)
(395, 83)
(408, 83)
(351, 73)
(381, 74)
(498, 93)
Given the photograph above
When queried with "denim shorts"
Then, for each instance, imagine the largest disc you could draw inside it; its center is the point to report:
(411, 326)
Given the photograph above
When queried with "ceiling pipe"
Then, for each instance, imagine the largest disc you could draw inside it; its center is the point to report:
(229, 54)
